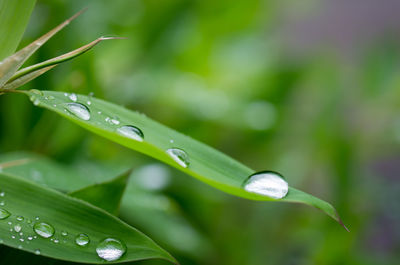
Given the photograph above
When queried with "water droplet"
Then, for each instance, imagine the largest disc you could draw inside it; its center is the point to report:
(115, 121)
(37, 218)
(2, 203)
(79, 110)
(73, 97)
(37, 251)
(9, 223)
(37, 92)
(17, 228)
(179, 156)
(19, 246)
(89, 102)
(66, 94)
(110, 249)
(63, 233)
(21, 239)
(2, 194)
(56, 241)
(43, 229)
(30, 238)
(4, 214)
(49, 97)
(131, 132)
(267, 183)
(20, 218)
(171, 141)
(36, 102)
(82, 240)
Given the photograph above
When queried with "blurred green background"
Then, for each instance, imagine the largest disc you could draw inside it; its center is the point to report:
(310, 89)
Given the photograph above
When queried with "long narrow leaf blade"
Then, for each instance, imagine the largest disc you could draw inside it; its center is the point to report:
(46, 222)
(154, 139)
(11, 64)
(28, 73)
(14, 16)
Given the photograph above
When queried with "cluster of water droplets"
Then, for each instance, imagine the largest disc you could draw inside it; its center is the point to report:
(266, 183)
(26, 230)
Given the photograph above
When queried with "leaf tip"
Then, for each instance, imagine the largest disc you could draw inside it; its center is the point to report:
(339, 220)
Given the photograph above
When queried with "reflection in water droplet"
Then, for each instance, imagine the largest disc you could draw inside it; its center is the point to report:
(110, 249)
(179, 156)
(131, 132)
(79, 110)
(20, 218)
(82, 240)
(4, 214)
(43, 229)
(267, 183)
(63, 233)
(37, 251)
(2, 194)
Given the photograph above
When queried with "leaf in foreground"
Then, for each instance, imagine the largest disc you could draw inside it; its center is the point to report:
(49, 223)
(138, 132)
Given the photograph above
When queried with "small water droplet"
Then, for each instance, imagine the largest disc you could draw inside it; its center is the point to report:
(2, 194)
(43, 229)
(79, 110)
(131, 132)
(56, 241)
(179, 156)
(4, 214)
(19, 247)
(21, 239)
(63, 233)
(37, 251)
(171, 141)
(17, 228)
(2, 203)
(9, 223)
(21, 234)
(37, 218)
(36, 102)
(66, 94)
(49, 97)
(73, 97)
(110, 249)
(20, 218)
(82, 240)
(13, 237)
(89, 102)
(267, 183)
(115, 121)
(30, 238)
(37, 92)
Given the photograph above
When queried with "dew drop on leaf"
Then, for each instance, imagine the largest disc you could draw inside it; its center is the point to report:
(82, 240)
(43, 229)
(37, 251)
(17, 228)
(20, 218)
(131, 132)
(110, 249)
(267, 183)
(179, 156)
(73, 97)
(79, 110)
(4, 214)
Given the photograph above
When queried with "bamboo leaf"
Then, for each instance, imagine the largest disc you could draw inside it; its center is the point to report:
(105, 195)
(13, 15)
(28, 73)
(46, 222)
(138, 132)
(11, 64)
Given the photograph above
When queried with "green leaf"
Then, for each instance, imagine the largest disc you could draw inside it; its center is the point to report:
(11, 64)
(206, 163)
(106, 195)
(44, 171)
(28, 73)
(38, 205)
(14, 16)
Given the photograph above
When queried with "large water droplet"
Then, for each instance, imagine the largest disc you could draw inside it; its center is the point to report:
(43, 229)
(110, 249)
(131, 132)
(267, 183)
(82, 240)
(4, 214)
(179, 156)
(79, 110)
